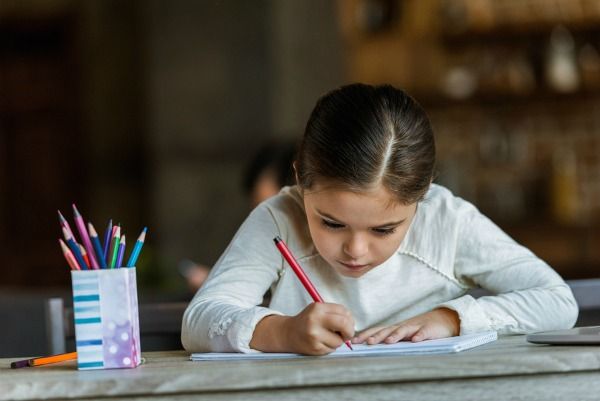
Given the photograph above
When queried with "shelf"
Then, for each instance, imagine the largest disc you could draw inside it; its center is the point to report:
(541, 97)
(514, 35)
(570, 249)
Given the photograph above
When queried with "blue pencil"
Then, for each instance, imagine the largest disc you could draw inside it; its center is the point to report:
(97, 246)
(121, 252)
(137, 248)
(75, 249)
(107, 239)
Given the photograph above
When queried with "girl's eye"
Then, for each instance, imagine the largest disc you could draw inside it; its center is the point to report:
(331, 224)
(384, 231)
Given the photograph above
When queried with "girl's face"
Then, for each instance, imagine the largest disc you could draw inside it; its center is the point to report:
(356, 232)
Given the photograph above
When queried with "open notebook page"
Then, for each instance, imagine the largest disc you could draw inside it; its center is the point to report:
(439, 346)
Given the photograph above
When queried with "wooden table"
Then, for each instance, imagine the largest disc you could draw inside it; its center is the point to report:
(509, 369)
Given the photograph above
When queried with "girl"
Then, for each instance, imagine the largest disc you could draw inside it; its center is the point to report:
(392, 254)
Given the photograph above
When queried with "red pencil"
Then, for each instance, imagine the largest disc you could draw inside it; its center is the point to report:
(300, 273)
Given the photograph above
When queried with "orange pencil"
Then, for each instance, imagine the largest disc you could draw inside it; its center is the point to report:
(44, 360)
(84, 254)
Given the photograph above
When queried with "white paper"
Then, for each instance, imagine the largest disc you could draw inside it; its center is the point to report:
(439, 346)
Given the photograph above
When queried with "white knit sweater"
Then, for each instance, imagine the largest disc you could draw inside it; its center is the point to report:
(449, 248)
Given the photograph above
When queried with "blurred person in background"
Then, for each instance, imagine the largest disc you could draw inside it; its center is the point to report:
(267, 172)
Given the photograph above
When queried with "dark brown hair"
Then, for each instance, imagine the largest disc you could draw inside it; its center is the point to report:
(359, 136)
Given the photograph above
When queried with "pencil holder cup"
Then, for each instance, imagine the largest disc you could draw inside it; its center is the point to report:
(107, 329)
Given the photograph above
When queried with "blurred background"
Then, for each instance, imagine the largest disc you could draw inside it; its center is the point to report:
(148, 112)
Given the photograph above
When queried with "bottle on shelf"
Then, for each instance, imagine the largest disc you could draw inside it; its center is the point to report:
(561, 63)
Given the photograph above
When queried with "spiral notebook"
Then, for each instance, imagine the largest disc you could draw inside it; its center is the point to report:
(440, 346)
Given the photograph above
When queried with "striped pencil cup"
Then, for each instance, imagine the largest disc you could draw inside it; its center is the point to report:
(107, 329)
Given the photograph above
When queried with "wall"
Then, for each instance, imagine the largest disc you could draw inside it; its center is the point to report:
(221, 78)
(172, 99)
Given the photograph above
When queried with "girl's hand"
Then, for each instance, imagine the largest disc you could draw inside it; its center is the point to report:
(319, 329)
(438, 323)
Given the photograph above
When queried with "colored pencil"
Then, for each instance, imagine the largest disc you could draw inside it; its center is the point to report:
(110, 246)
(135, 253)
(46, 360)
(114, 246)
(308, 285)
(69, 256)
(53, 359)
(107, 235)
(84, 254)
(97, 246)
(121, 251)
(64, 222)
(85, 237)
(74, 248)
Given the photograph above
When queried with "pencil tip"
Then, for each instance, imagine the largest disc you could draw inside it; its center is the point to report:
(75, 210)
(92, 230)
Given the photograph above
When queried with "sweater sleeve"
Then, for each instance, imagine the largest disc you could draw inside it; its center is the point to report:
(223, 314)
(529, 296)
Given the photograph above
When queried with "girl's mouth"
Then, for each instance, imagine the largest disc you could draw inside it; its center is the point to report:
(353, 266)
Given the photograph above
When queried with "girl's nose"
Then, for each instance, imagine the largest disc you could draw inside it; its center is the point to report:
(356, 247)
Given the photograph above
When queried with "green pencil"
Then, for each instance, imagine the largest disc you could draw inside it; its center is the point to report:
(114, 246)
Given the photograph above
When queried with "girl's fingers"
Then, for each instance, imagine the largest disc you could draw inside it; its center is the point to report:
(421, 335)
(342, 324)
(334, 309)
(331, 341)
(424, 327)
(379, 336)
(401, 333)
(362, 336)
(389, 335)
(319, 341)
